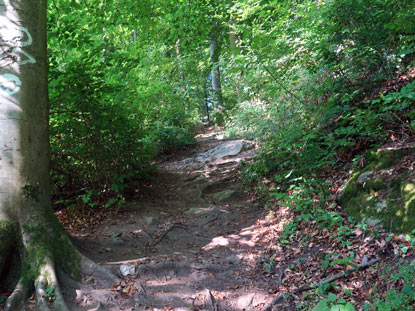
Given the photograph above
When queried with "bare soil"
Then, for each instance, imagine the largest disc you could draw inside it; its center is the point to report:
(194, 237)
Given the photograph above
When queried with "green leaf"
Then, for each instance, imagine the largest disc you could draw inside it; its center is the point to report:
(85, 199)
(321, 306)
(279, 195)
(348, 307)
(331, 297)
(404, 249)
(408, 290)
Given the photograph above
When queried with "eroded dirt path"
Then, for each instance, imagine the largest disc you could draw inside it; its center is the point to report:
(191, 241)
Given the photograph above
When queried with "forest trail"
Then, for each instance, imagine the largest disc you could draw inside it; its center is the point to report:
(191, 240)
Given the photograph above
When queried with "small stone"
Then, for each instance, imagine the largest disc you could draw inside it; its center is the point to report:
(127, 269)
(149, 221)
(90, 281)
(234, 260)
(222, 196)
(381, 206)
(117, 241)
(202, 211)
(364, 177)
(108, 249)
(371, 221)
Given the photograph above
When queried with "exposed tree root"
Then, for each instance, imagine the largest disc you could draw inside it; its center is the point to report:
(47, 284)
(16, 299)
(91, 268)
(212, 301)
(161, 237)
(161, 267)
(47, 280)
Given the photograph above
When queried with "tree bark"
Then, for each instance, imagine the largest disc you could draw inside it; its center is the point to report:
(215, 46)
(24, 140)
(29, 230)
(233, 39)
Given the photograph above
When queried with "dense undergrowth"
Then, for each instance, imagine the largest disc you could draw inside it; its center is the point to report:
(115, 102)
(336, 79)
(318, 83)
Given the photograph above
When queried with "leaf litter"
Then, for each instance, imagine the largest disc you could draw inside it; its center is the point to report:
(268, 267)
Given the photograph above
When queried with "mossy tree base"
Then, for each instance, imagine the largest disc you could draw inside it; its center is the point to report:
(41, 255)
(383, 192)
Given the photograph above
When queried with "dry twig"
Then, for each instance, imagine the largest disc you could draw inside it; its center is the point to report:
(365, 264)
(161, 237)
(212, 302)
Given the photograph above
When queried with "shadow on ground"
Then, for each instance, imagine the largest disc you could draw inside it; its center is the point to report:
(191, 240)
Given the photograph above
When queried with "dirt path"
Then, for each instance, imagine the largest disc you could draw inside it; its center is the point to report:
(191, 242)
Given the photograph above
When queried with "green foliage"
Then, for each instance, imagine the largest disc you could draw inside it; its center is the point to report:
(305, 78)
(401, 296)
(31, 191)
(115, 103)
(268, 263)
(298, 76)
(332, 303)
(50, 294)
(314, 64)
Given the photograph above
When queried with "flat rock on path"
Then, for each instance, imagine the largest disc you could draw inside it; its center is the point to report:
(226, 149)
(179, 246)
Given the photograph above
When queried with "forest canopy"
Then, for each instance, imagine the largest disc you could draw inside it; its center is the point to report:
(132, 79)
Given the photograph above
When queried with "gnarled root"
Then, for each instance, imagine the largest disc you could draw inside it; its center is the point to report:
(37, 254)
(47, 288)
(16, 299)
(47, 285)
(91, 268)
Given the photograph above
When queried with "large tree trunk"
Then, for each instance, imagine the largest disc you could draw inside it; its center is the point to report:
(33, 244)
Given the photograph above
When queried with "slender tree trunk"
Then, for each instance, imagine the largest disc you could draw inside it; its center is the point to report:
(215, 73)
(183, 80)
(179, 60)
(207, 103)
(233, 38)
(28, 228)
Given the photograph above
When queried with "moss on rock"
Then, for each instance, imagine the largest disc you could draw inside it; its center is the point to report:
(378, 192)
(385, 159)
